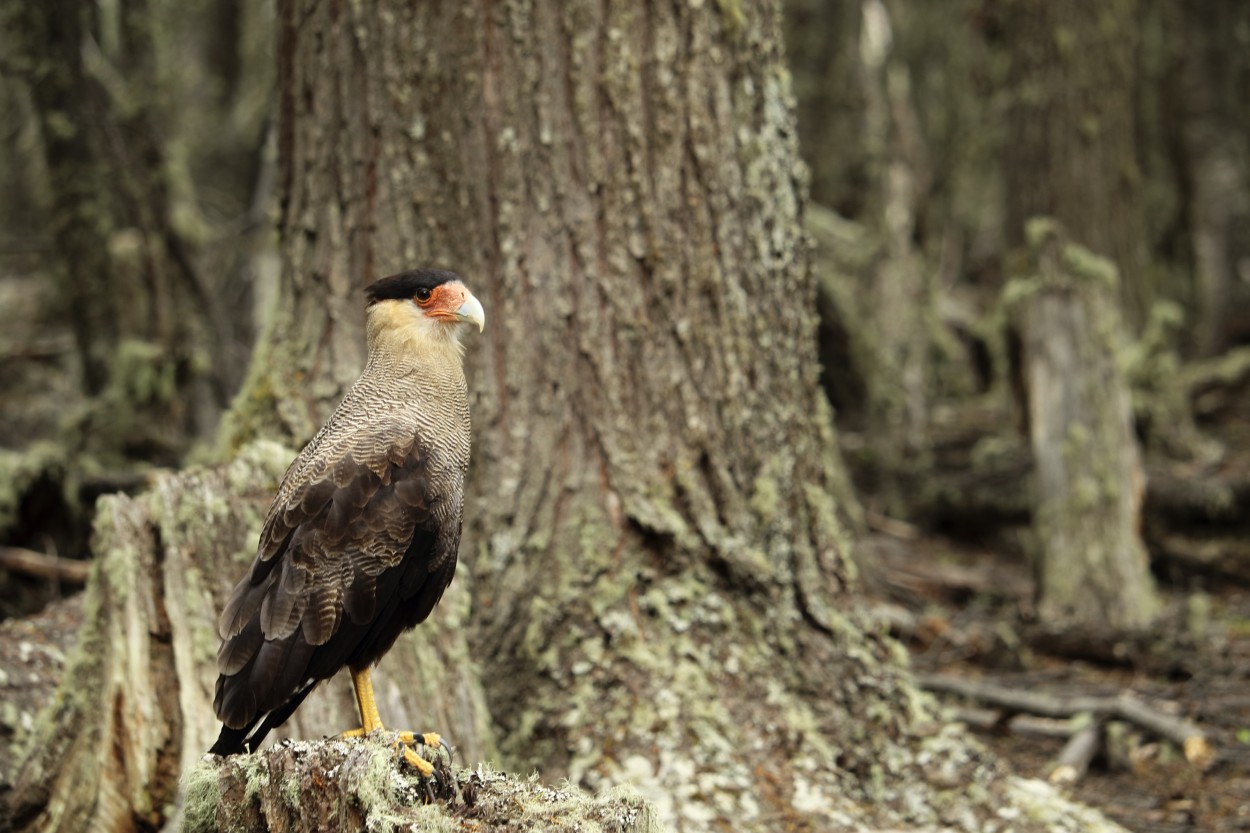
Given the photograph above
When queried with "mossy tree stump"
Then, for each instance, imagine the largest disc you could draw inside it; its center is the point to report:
(134, 706)
(1093, 569)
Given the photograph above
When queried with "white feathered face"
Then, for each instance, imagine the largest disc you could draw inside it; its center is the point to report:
(428, 318)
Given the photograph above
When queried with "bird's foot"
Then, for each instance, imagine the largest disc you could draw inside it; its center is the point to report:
(407, 740)
(431, 740)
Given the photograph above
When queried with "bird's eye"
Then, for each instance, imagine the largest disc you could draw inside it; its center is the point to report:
(424, 294)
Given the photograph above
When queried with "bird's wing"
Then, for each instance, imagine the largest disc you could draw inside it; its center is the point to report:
(352, 515)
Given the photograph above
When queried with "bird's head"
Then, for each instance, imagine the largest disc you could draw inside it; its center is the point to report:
(421, 310)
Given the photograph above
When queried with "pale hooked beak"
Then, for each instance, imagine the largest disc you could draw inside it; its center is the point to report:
(471, 310)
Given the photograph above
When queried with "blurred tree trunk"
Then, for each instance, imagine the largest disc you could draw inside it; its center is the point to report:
(143, 321)
(1093, 569)
(1070, 155)
(857, 95)
(900, 300)
(1071, 149)
(822, 44)
(1216, 139)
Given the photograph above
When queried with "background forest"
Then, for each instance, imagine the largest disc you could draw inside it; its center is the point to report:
(966, 370)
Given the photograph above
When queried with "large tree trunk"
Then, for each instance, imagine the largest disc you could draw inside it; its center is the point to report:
(659, 579)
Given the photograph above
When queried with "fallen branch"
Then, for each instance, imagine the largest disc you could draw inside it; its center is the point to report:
(1197, 748)
(32, 563)
(1075, 757)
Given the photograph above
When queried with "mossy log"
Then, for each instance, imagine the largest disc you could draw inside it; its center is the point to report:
(360, 785)
(134, 706)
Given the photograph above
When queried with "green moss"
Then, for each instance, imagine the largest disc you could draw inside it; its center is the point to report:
(765, 499)
(255, 775)
(375, 789)
(290, 790)
(201, 790)
(1085, 265)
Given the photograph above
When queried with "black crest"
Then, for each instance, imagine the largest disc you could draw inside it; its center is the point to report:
(403, 286)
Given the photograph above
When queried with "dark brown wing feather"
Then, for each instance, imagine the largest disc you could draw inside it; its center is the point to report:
(349, 558)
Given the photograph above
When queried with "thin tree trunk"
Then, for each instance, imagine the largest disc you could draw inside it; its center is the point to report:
(900, 296)
(1089, 478)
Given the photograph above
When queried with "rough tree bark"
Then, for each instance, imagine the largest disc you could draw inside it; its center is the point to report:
(1093, 570)
(659, 579)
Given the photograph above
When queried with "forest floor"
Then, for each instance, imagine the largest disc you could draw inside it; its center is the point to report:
(964, 613)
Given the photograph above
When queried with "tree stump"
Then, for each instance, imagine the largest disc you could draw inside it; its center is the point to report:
(358, 785)
(134, 708)
(1089, 479)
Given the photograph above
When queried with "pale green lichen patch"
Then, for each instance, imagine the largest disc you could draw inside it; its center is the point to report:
(1039, 804)
(201, 794)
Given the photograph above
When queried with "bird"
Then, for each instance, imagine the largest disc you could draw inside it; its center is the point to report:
(361, 538)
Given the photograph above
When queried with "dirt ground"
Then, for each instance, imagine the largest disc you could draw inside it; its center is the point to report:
(964, 613)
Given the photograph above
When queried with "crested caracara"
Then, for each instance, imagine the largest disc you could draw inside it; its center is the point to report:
(361, 538)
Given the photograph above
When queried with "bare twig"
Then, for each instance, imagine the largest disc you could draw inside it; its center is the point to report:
(891, 526)
(66, 570)
(1030, 725)
(1076, 755)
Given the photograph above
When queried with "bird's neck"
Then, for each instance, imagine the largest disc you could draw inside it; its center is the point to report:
(409, 365)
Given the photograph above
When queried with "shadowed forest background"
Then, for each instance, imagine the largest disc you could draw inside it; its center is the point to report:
(967, 368)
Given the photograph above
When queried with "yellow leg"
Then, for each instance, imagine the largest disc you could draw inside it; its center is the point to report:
(371, 721)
